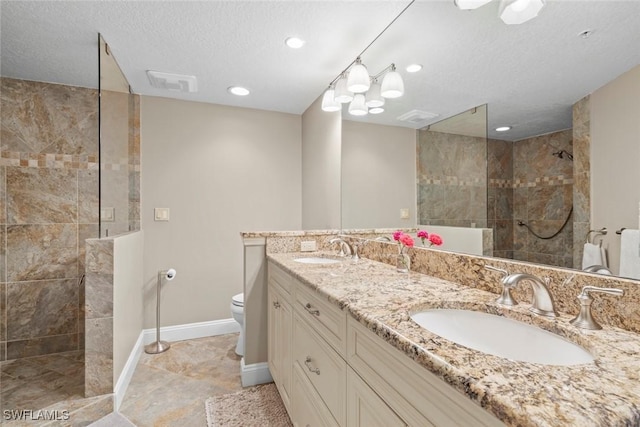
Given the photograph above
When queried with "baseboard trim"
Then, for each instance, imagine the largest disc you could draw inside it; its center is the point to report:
(127, 372)
(191, 331)
(168, 333)
(254, 374)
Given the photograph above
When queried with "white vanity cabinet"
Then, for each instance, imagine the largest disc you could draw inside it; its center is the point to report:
(280, 327)
(336, 372)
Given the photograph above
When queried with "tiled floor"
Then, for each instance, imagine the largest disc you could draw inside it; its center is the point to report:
(169, 389)
(37, 382)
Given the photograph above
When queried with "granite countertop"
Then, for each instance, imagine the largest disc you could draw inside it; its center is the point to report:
(605, 393)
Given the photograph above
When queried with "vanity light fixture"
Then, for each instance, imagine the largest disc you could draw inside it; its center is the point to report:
(329, 102)
(503, 128)
(376, 110)
(470, 4)
(358, 80)
(357, 106)
(413, 68)
(238, 90)
(510, 11)
(294, 42)
(519, 11)
(346, 87)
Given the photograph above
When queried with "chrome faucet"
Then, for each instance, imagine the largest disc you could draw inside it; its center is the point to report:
(343, 244)
(382, 239)
(542, 303)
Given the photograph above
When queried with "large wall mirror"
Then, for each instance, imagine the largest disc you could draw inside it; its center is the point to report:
(541, 188)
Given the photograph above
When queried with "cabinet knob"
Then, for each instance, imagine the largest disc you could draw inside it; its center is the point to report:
(307, 362)
(276, 304)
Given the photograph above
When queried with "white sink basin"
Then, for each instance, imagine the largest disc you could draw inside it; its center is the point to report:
(316, 260)
(502, 337)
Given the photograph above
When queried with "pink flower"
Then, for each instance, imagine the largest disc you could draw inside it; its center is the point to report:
(423, 234)
(406, 240)
(397, 234)
(435, 239)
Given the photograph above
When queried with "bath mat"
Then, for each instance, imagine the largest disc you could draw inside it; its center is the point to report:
(258, 406)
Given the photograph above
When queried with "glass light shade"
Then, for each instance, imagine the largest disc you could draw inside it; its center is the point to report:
(373, 98)
(519, 11)
(328, 101)
(357, 106)
(342, 94)
(392, 85)
(376, 110)
(358, 80)
(470, 4)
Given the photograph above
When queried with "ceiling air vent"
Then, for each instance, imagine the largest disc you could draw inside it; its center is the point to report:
(417, 117)
(175, 82)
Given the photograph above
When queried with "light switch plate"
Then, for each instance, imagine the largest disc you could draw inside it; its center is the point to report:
(161, 214)
(308, 246)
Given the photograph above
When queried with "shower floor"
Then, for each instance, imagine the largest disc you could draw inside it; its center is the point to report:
(37, 382)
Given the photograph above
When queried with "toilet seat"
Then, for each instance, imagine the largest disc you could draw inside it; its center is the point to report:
(238, 300)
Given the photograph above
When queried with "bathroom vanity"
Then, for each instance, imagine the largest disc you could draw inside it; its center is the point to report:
(343, 351)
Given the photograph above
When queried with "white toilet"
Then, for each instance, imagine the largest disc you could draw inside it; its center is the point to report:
(237, 312)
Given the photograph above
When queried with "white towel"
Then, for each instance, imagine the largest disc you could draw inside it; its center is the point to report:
(603, 254)
(630, 254)
(591, 255)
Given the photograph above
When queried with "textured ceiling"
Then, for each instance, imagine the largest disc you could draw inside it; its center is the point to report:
(529, 74)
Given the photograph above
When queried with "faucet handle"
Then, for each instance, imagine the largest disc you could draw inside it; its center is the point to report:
(504, 272)
(505, 297)
(585, 319)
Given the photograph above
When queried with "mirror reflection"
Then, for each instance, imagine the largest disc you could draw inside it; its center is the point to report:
(542, 193)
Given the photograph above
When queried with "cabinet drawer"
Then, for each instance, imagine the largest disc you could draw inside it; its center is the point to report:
(283, 280)
(308, 409)
(322, 367)
(327, 319)
(408, 388)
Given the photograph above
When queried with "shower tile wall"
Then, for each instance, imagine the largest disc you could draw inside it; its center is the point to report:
(48, 206)
(581, 177)
(500, 196)
(452, 179)
(542, 198)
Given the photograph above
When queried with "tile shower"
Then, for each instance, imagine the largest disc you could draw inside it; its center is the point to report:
(49, 205)
(471, 181)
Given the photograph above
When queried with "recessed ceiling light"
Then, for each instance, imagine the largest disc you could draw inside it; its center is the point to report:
(294, 42)
(238, 90)
(413, 68)
(376, 110)
(503, 128)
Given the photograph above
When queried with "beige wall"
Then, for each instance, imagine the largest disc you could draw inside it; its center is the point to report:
(378, 175)
(615, 159)
(127, 297)
(220, 170)
(321, 140)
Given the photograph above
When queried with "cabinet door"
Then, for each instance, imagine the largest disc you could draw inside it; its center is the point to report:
(280, 318)
(274, 339)
(286, 344)
(364, 406)
(308, 409)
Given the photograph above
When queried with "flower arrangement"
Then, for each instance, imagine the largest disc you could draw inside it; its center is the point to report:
(433, 238)
(404, 241)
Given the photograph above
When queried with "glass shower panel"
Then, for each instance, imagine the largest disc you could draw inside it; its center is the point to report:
(452, 171)
(119, 149)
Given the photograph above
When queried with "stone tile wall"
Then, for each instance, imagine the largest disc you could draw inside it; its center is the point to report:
(542, 198)
(500, 196)
(452, 179)
(581, 177)
(48, 207)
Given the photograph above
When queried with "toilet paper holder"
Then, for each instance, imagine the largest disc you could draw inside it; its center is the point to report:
(160, 346)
